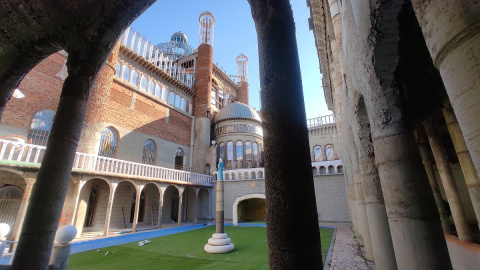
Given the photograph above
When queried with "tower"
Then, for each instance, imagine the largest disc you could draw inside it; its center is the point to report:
(242, 75)
(203, 88)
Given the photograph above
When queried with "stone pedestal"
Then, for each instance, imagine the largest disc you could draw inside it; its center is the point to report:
(219, 243)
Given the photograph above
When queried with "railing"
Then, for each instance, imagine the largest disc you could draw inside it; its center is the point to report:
(30, 153)
(319, 168)
(322, 120)
(140, 45)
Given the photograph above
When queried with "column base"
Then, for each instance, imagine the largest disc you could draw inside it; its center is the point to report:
(219, 243)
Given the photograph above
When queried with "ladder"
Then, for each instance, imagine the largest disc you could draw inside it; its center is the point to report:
(154, 215)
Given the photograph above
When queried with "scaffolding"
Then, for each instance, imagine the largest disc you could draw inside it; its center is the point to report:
(177, 47)
(205, 33)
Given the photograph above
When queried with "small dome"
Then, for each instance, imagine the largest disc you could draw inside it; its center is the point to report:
(179, 37)
(236, 110)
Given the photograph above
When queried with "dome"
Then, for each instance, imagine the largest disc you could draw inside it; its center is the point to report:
(237, 110)
(177, 47)
(179, 36)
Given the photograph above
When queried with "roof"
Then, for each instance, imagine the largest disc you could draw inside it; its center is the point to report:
(237, 110)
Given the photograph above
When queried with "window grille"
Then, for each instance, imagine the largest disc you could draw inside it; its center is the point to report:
(149, 152)
(108, 143)
(40, 127)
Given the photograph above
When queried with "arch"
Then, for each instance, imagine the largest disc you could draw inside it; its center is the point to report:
(203, 206)
(315, 171)
(189, 204)
(158, 91)
(126, 73)
(323, 170)
(253, 175)
(143, 83)
(221, 152)
(329, 152)
(141, 208)
(170, 204)
(108, 143)
(152, 203)
(10, 201)
(92, 205)
(239, 154)
(331, 169)
(248, 154)
(207, 169)
(317, 153)
(149, 152)
(151, 87)
(243, 198)
(40, 127)
(179, 154)
(134, 79)
(171, 98)
(339, 169)
(260, 175)
(177, 101)
(164, 93)
(118, 69)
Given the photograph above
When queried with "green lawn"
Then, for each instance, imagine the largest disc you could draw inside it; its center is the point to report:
(185, 251)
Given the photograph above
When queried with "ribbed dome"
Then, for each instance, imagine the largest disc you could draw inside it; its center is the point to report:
(237, 110)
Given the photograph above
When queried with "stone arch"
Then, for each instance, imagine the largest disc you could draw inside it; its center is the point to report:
(152, 203)
(323, 170)
(339, 169)
(92, 204)
(331, 169)
(123, 205)
(189, 204)
(260, 175)
(203, 204)
(170, 204)
(315, 171)
(253, 176)
(244, 198)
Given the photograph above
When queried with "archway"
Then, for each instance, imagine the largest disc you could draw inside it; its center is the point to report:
(92, 206)
(203, 205)
(249, 208)
(170, 205)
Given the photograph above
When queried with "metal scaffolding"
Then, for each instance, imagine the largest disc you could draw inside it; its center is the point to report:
(205, 33)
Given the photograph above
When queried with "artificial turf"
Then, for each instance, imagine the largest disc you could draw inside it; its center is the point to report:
(185, 251)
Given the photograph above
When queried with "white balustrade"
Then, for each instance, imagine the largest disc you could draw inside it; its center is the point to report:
(30, 153)
(320, 121)
(321, 167)
(146, 49)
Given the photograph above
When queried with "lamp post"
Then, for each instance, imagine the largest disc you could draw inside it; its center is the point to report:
(219, 242)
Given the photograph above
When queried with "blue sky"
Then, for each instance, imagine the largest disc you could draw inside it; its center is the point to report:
(234, 33)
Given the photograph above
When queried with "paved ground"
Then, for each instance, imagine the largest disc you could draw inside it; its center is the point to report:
(346, 254)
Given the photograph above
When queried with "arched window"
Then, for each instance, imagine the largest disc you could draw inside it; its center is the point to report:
(108, 143)
(255, 154)
(239, 156)
(187, 106)
(221, 152)
(134, 80)
(248, 154)
(158, 91)
(179, 158)
(151, 87)
(149, 152)
(40, 127)
(230, 151)
(171, 98)
(329, 152)
(164, 93)
(126, 73)
(317, 153)
(118, 69)
(177, 101)
(182, 104)
(143, 83)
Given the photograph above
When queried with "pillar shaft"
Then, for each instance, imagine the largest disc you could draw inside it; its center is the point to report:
(432, 179)
(292, 222)
(363, 225)
(219, 228)
(160, 209)
(452, 34)
(137, 209)
(76, 196)
(180, 206)
(466, 163)
(448, 183)
(108, 213)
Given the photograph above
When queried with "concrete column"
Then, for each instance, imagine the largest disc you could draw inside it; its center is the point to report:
(452, 34)
(76, 196)
(137, 207)
(108, 214)
(447, 227)
(292, 222)
(23, 209)
(363, 224)
(219, 222)
(449, 184)
(180, 206)
(466, 163)
(160, 208)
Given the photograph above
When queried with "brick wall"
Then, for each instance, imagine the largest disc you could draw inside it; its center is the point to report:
(41, 87)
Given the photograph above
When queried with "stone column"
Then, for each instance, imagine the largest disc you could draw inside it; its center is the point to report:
(447, 227)
(449, 184)
(30, 180)
(137, 206)
(292, 222)
(108, 214)
(452, 33)
(180, 205)
(160, 208)
(362, 219)
(76, 196)
(466, 163)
